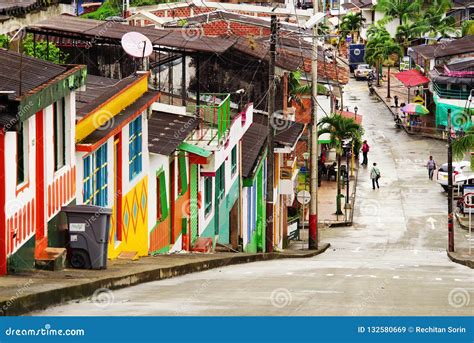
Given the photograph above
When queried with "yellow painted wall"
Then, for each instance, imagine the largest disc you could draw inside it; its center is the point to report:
(134, 222)
(111, 108)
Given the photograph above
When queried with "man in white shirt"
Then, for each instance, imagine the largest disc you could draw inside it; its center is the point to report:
(375, 176)
(431, 165)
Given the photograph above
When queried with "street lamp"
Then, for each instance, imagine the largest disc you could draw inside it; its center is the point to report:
(355, 112)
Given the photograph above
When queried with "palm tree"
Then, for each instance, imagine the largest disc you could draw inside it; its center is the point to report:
(407, 32)
(399, 8)
(381, 49)
(296, 88)
(435, 23)
(340, 128)
(464, 144)
(351, 24)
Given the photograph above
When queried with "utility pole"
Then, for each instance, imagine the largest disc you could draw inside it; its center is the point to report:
(450, 188)
(270, 154)
(313, 212)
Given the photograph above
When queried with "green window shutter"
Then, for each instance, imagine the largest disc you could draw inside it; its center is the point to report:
(234, 161)
(163, 197)
(182, 172)
(208, 195)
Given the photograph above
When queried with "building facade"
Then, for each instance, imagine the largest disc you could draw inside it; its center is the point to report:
(37, 160)
(112, 157)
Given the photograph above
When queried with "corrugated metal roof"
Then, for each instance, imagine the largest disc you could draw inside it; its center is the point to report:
(253, 143)
(287, 132)
(98, 90)
(35, 72)
(101, 31)
(166, 131)
(455, 47)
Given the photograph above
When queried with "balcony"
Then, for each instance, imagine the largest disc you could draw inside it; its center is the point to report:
(215, 119)
(457, 94)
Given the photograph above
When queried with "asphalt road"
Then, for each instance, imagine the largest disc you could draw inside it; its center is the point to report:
(391, 262)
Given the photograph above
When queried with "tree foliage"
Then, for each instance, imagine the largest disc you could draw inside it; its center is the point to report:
(339, 128)
(351, 24)
(399, 8)
(467, 28)
(45, 51)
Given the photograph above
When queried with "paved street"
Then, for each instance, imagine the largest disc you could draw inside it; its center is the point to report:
(391, 262)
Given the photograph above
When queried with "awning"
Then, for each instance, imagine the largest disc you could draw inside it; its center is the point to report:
(412, 78)
(194, 149)
(324, 138)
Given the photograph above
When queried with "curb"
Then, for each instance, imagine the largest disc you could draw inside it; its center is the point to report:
(41, 300)
(465, 262)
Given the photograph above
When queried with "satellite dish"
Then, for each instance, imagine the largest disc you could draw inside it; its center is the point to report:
(136, 44)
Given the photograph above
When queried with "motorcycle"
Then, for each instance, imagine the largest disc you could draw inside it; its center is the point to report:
(370, 79)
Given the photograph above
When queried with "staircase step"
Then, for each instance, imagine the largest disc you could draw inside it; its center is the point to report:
(203, 244)
(51, 259)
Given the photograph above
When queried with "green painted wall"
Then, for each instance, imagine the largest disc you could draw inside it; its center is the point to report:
(257, 239)
(194, 210)
(224, 210)
(24, 258)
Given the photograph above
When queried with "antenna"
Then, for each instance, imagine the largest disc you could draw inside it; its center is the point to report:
(136, 45)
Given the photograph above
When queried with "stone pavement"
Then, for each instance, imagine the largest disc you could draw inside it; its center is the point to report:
(35, 290)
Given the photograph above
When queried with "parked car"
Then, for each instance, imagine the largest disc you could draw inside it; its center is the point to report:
(461, 174)
(305, 4)
(362, 72)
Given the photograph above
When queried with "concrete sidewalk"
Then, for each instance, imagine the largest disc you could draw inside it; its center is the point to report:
(327, 195)
(36, 290)
(397, 88)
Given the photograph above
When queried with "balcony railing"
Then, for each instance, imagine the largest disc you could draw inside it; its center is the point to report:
(450, 93)
(215, 115)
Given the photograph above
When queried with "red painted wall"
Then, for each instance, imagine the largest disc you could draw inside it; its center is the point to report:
(3, 233)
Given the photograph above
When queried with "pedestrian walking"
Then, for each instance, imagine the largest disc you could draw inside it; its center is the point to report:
(365, 151)
(431, 165)
(375, 176)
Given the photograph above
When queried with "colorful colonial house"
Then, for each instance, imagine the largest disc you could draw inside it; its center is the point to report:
(170, 185)
(453, 88)
(37, 164)
(112, 157)
(287, 134)
(254, 163)
(215, 178)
